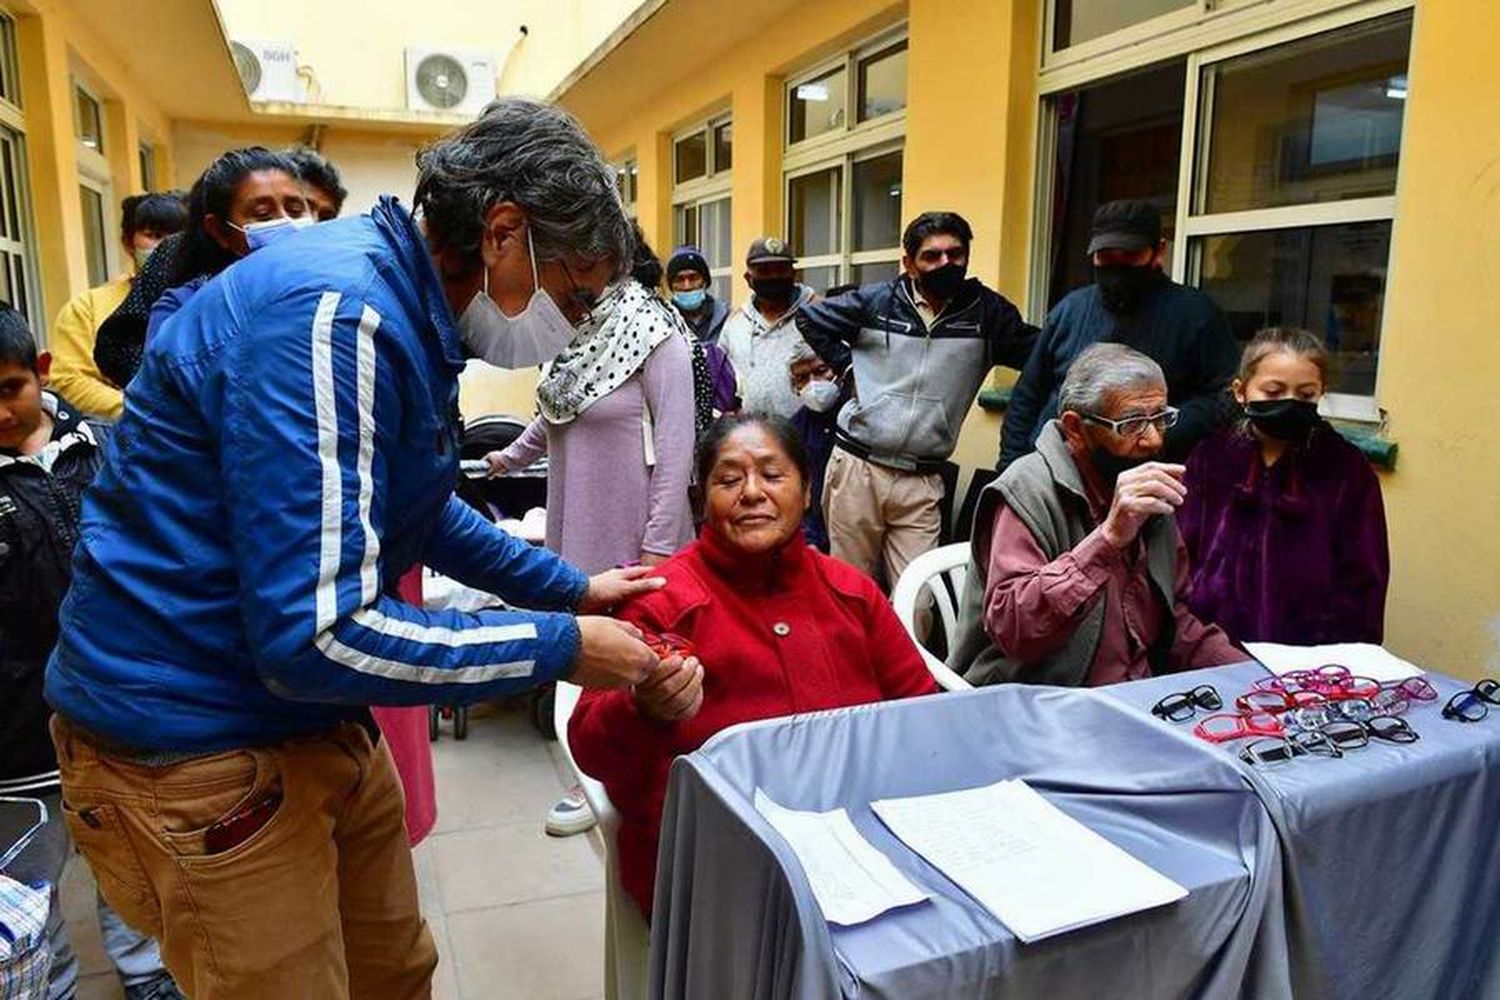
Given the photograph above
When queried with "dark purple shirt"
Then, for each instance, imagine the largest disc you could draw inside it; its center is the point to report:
(1295, 552)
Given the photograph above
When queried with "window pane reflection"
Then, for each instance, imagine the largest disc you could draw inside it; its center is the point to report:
(819, 106)
(692, 157)
(814, 213)
(877, 202)
(882, 83)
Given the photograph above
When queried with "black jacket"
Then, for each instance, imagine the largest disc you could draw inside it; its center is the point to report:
(1179, 328)
(913, 385)
(39, 513)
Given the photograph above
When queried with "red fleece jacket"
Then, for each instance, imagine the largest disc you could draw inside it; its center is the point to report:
(793, 632)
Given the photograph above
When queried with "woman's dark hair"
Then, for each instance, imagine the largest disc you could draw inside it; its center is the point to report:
(935, 224)
(163, 213)
(315, 170)
(1274, 340)
(646, 266)
(712, 441)
(212, 194)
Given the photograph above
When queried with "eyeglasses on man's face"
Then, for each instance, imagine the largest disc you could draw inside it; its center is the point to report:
(1133, 428)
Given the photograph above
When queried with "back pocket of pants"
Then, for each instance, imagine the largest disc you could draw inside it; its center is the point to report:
(104, 842)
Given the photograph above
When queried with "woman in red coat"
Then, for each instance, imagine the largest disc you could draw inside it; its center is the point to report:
(776, 628)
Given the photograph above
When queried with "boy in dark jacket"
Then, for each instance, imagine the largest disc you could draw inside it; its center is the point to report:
(48, 454)
(921, 347)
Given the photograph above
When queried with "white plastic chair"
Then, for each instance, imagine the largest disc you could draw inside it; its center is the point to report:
(627, 937)
(942, 573)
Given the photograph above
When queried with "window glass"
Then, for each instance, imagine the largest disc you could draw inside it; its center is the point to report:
(692, 156)
(877, 202)
(721, 287)
(723, 147)
(1078, 21)
(9, 87)
(90, 127)
(1314, 121)
(714, 237)
(94, 238)
(686, 217)
(820, 279)
(148, 168)
(1327, 279)
(882, 83)
(870, 274)
(813, 201)
(819, 106)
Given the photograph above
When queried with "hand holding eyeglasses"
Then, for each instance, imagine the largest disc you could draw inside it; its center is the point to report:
(1141, 494)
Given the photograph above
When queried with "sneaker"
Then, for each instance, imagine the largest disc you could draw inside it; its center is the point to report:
(571, 814)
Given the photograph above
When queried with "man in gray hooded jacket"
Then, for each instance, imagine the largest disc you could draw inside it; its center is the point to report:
(922, 346)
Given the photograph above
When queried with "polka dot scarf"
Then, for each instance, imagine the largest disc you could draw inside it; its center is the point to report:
(612, 346)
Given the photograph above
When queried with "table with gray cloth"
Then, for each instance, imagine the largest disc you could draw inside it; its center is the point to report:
(735, 918)
(1391, 853)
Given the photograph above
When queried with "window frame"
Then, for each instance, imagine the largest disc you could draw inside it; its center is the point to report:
(679, 237)
(1219, 30)
(714, 176)
(854, 134)
(107, 238)
(21, 245)
(146, 154)
(845, 258)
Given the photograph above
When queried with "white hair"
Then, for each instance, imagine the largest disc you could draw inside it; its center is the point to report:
(1103, 369)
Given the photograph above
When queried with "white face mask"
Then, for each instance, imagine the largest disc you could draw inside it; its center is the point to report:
(534, 336)
(263, 234)
(820, 395)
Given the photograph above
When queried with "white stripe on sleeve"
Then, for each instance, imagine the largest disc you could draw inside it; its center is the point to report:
(377, 666)
(330, 540)
(369, 580)
(433, 635)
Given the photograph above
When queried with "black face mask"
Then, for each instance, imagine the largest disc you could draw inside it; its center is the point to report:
(1109, 465)
(1124, 286)
(774, 291)
(1283, 419)
(942, 283)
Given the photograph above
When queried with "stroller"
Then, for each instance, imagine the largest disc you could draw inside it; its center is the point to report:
(497, 499)
(25, 955)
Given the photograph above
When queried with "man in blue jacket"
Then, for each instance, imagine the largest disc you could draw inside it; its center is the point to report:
(288, 449)
(1131, 302)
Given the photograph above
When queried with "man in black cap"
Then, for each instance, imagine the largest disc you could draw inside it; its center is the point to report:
(761, 337)
(1131, 302)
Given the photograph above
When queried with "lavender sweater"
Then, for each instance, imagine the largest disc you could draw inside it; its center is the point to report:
(605, 506)
(1294, 553)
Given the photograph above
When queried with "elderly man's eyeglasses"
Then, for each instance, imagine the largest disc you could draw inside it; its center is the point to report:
(1135, 427)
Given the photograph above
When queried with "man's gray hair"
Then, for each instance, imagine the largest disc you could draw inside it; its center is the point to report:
(1102, 369)
(538, 156)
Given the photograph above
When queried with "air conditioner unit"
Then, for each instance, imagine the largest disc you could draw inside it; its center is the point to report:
(458, 81)
(268, 70)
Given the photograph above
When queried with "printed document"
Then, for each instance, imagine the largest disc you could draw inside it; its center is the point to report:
(1364, 659)
(1038, 870)
(851, 880)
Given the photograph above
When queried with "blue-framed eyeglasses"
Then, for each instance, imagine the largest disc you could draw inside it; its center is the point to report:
(1134, 427)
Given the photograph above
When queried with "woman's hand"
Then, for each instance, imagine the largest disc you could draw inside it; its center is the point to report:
(610, 655)
(615, 586)
(496, 461)
(673, 692)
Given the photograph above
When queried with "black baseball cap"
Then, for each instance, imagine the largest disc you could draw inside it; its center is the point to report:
(1131, 224)
(770, 250)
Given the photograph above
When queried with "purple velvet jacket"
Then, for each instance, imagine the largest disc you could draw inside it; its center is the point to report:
(1294, 553)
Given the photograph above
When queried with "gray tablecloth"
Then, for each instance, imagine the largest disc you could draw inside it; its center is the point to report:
(1392, 853)
(734, 916)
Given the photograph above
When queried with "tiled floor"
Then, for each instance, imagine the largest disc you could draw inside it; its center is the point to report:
(516, 914)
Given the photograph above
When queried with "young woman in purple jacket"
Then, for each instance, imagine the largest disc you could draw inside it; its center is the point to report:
(1283, 521)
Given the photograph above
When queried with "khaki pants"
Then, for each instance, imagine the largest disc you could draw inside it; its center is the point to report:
(320, 902)
(879, 519)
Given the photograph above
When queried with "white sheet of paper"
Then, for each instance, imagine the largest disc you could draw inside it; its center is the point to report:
(1364, 659)
(851, 880)
(1038, 870)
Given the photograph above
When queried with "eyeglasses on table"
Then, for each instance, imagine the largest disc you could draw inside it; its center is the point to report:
(1473, 704)
(1183, 705)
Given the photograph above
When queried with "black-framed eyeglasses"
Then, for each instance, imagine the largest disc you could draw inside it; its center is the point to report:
(1184, 705)
(1474, 704)
(1279, 750)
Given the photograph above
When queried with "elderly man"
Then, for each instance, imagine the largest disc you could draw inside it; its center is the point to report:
(1078, 574)
(290, 451)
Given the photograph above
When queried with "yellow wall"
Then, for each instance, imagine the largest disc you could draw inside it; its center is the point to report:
(1440, 359)
(367, 68)
(54, 45)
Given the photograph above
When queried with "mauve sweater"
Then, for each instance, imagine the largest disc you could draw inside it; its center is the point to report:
(1293, 553)
(794, 631)
(605, 505)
